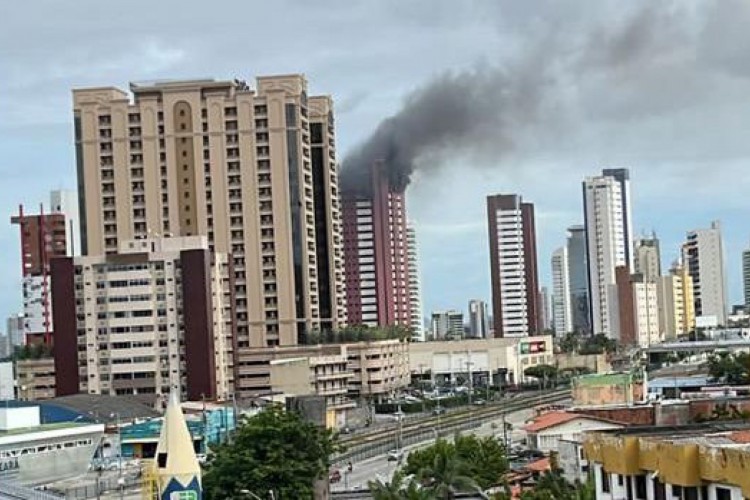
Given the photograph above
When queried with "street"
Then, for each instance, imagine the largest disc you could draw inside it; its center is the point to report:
(379, 468)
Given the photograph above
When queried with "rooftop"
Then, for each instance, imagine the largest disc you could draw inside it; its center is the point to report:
(102, 408)
(43, 427)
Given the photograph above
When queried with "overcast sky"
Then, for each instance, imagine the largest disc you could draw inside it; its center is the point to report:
(660, 87)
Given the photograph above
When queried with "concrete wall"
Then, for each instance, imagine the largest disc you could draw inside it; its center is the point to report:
(597, 363)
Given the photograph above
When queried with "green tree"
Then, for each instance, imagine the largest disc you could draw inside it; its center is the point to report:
(543, 373)
(730, 368)
(446, 476)
(274, 450)
(483, 459)
(401, 487)
(552, 486)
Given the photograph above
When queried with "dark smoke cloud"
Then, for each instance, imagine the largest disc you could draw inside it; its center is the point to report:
(485, 112)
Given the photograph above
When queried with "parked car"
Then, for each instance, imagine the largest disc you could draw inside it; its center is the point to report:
(479, 402)
(395, 455)
(334, 476)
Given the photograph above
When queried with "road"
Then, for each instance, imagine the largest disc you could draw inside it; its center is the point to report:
(379, 468)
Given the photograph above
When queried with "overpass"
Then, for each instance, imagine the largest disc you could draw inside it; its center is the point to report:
(699, 346)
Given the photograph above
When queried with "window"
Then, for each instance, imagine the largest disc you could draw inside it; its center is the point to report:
(723, 493)
(640, 487)
(605, 481)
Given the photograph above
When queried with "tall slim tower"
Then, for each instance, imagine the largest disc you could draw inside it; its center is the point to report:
(561, 300)
(647, 258)
(479, 323)
(43, 237)
(376, 256)
(580, 305)
(608, 243)
(703, 256)
(513, 265)
(415, 289)
(746, 278)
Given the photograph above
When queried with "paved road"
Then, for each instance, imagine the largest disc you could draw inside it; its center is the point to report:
(378, 468)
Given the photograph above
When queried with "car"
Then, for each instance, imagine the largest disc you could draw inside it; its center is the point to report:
(479, 402)
(398, 416)
(395, 455)
(438, 411)
(334, 476)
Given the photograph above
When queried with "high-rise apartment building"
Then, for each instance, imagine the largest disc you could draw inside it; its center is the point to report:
(513, 266)
(608, 243)
(43, 237)
(15, 330)
(578, 284)
(676, 307)
(562, 314)
(415, 288)
(152, 318)
(64, 201)
(479, 321)
(647, 258)
(376, 253)
(637, 309)
(703, 256)
(447, 325)
(253, 170)
(545, 309)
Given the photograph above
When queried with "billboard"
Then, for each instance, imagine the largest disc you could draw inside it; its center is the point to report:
(532, 347)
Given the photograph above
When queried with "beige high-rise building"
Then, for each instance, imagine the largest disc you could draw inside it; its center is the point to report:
(253, 170)
(676, 308)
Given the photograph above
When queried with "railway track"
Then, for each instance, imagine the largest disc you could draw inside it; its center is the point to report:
(457, 418)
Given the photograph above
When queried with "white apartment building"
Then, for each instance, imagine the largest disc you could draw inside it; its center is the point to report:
(415, 289)
(609, 245)
(562, 314)
(513, 266)
(152, 318)
(447, 324)
(479, 321)
(703, 256)
(646, 313)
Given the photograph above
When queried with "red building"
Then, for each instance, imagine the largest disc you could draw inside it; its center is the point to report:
(43, 238)
(375, 253)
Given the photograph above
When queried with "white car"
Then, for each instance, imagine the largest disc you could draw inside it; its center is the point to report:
(395, 455)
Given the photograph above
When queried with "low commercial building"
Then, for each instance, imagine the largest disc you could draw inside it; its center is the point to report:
(152, 318)
(326, 376)
(35, 379)
(500, 360)
(376, 369)
(697, 462)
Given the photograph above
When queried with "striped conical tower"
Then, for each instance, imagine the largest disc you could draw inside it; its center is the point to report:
(177, 469)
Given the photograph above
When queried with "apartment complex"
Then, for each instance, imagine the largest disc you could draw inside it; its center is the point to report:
(608, 244)
(375, 369)
(676, 306)
(647, 258)
(562, 312)
(637, 312)
(700, 462)
(252, 170)
(43, 237)
(154, 317)
(580, 305)
(35, 379)
(479, 321)
(447, 325)
(415, 287)
(513, 266)
(703, 256)
(746, 278)
(376, 253)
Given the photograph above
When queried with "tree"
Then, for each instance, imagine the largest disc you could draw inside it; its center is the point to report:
(730, 368)
(401, 487)
(274, 450)
(552, 486)
(447, 476)
(543, 373)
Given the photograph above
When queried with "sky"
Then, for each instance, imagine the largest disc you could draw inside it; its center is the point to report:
(561, 89)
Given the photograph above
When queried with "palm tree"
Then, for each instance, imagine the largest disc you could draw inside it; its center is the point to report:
(388, 490)
(447, 476)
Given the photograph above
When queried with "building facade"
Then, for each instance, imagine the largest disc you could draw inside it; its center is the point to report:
(647, 258)
(513, 266)
(376, 253)
(562, 311)
(608, 244)
(479, 321)
(415, 287)
(35, 379)
(253, 170)
(64, 201)
(43, 237)
(676, 306)
(155, 317)
(447, 325)
(703, 256)
(746, 278)
(580, 305)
